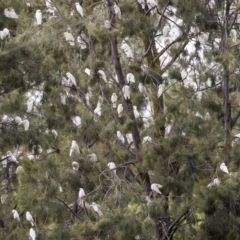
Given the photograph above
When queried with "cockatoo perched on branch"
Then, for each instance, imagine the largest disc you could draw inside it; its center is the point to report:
(10, 14)
(147, 139)
(74, 148)
(102, 75)
(11, 157)
(130, 78)
(50, 7)
(160, 90)
(77, 121)
(75, 166)
(30, 218)
(155, 187)
(88, 71)
(79, 9)
(114, 99)
(96, 208)
(224, 168)
(120, 137)
(16, 215)
(215, 182)
(71, 78)
(93, 157)
(4, 33)
(112, 167)
(38, 17)
(69, 38)
(32, 234)
(81, 201)
(135, 112)
(117, 10)
(142, 2)
(25, 123)
(120, 110)
(127, 50)
(126, 92)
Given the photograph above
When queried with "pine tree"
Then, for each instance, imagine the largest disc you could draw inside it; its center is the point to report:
(119, 95)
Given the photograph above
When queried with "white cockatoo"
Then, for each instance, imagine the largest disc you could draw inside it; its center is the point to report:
(120, 110)
(127, 50)
(207, 116)
(147, 139)
(54, 133)
(166, 31)
(160, 90)
(60, 189)
(24, 122)
(4, 33)
(32, 234)
(30, 103)
(112, 167)
(130, 78)
(10, 14)
(224, 168)
(120, 137)
(155, 187)
(81, 193)
(30, 218)
(75, 166)
(81, 41)
(79, 9)
(98, 111)
(117, 10)
(107, 24)
(69, 38)
(16, 215)
(102, 75)
(215, 182)
(87, 71)
(5, 119)
(93, 157)
(142, 2)
(129, 138)
(142, 88)
(114, 99)
(38, 17)
(71, 78)
(126, 92)
(96, 208)
(77, 121)
(151, 4)
(19, 170)
(74, 148)
(135, 112)
(11, 157)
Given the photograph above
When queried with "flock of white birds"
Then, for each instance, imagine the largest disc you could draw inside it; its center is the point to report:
(170, 32)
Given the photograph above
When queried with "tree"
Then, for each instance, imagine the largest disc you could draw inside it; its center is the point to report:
(89, 159)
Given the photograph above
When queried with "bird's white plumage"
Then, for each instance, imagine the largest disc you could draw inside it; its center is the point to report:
(29, 218)
(147, 139)
(71, 78)
(96, 208)
(129, 138)
(166, 31)
(142, 2)
(32, 234)
(130, 78)
(120, 137)
(19, 170)
(38, 17)
(112, 166)
(126, 92)
(87, 71)
(127, 50)
(11, 157)
(54, 133)
(135, 112)
(77, 121)
(120, 109)
(81, 193)
(75, 166)
(102, 75)
(107, 24)
(215, 182)
(92, 157)
(117, 10)
(155, 187)
(79, 9)
(224, 168)
(69, 38)
(142, 88)
(114, 99)
(74, 148)
(10, 14)
(16, 215)
(160, 90)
